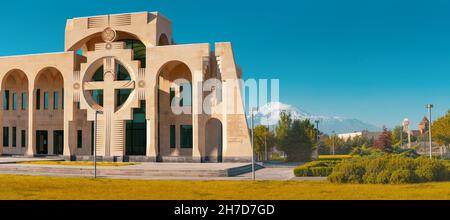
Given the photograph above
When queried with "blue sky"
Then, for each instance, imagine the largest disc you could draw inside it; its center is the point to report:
(378, 61)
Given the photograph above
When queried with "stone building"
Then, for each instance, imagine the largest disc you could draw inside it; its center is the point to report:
(124, 70)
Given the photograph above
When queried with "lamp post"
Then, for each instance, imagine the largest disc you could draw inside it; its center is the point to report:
(334, 139)
(318, 136)
(253, 144)
(95, 142)
(429, 107)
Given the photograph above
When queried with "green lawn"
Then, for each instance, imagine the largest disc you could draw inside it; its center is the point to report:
(54, 188)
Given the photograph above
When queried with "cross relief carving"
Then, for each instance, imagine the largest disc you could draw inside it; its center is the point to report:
(109, 84)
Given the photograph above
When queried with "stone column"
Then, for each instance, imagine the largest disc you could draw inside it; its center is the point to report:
(31, 132)
(197, 116)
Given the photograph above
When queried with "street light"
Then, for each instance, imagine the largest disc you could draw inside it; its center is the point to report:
(318, 136)
(253, 145)
(429, 107)
(95, 142)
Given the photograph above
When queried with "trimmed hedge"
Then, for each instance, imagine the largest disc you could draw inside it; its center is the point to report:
(321, 168)
(334, 157)
(391, 169)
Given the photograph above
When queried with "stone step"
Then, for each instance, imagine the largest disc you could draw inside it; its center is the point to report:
(128, 171)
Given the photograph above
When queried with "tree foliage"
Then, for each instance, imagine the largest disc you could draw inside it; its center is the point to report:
(384, 142)
(441, 130)
(262, 137)
(296, 138)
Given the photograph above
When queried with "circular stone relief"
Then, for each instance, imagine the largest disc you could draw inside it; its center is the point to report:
(141, 84)
(76, 86)
(109, 35)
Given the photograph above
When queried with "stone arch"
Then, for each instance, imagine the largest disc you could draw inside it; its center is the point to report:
(213, 141)
(48, 105)
(169, 121)
(14, 85)
(163, 40)
(88, 42)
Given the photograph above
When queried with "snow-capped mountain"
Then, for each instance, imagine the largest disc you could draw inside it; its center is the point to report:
(269, 114)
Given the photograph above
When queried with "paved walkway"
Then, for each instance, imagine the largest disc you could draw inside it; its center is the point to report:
(149, 171)
(8, 160)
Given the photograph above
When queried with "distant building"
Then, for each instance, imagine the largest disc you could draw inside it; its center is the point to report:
(366, 134)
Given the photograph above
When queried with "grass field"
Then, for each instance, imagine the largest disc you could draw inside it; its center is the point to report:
(78, 163)
(55, 188)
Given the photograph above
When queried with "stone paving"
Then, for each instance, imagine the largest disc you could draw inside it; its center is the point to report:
(150, 171)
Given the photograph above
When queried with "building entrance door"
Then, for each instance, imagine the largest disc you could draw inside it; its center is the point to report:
(58, 142)
(42, 142)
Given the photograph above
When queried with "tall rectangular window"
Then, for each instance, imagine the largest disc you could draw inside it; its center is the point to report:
(38, 99)
(23, 138)
(5, 136)
(186, 95)
(24, 100)
(14, 137)
(172, 96)
(55, 100)
(45, 100)
(186, 136)
(80, 139)
(14, 101)
(6, 100)
(173, 143)
(62, 98)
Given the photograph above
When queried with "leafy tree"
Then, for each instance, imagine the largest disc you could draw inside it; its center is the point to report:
(262, 137)
(384, 142)
(283, 127)
(441, 130)
(298, 144)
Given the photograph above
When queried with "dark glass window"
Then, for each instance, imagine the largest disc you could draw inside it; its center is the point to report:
(79, 139)
(55, 100)
(172, 96)
(98, 75)
(186, 95)
(14, 101)
(139, 50)
(6, 100)
(38, 99)
(45, 100)
(5, 137)
(136, 133)
(173, 143)
(14, 136)
(97, 95)
(122, 96)
(186, 136)
(122, 72)
(62, 98)
(24, 100)
(23, 138)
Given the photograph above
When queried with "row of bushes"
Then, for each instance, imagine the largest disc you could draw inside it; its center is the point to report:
(394, 169)
(319, 168)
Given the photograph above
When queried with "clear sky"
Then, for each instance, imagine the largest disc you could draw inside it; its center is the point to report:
(378, 61)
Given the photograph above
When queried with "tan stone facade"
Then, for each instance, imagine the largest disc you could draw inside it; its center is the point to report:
(124, 69)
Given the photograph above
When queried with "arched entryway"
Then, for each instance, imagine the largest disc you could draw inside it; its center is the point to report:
(213, 141)
(49, 110)
(174, 105)
(14, 116)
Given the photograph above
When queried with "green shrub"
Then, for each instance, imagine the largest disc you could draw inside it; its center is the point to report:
(402, 177)
(321, 171)
(321, 168)
(431, 170)
(349, 171)
(387, 169)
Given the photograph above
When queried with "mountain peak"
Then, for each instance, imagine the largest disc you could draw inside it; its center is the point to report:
(269, 114)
